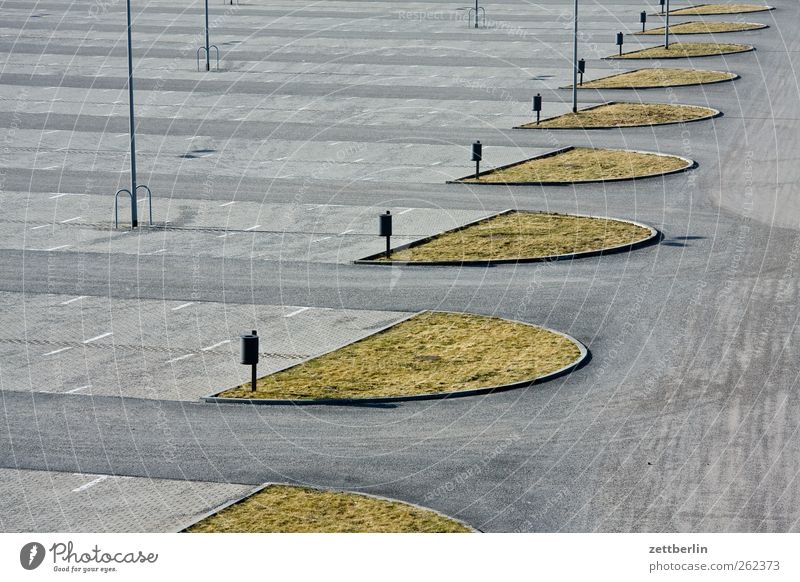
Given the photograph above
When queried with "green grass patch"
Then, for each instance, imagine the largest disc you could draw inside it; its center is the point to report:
(518, 235)
(429, 353)
(290, 509)
(686, 49)
(710, 9)
(705, 27)
(646, 78)
(625, 115)
(583, 165)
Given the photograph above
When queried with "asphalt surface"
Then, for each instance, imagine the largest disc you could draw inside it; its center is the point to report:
(685, 419)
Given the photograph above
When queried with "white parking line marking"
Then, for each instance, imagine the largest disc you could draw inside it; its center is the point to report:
(182, 306)
(65, 194)
(58, 248)
(293, 313)
(74, 390)
(58, 351)
(40, 226)
(227, 203)
(406, 210)
(346, 231)
(73, 300)
(179, 358)
(70, 219)
(84, 487)
(253, 227)
(216, 345)
(321, 239)
(98, 337)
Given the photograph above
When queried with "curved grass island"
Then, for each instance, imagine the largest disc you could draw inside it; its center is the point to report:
(713, 9)
(616, 114)
(429, 355)
(658, 78)
(581, 165)
(291, 509)
(706, 27)
(517, 236)
(682, 50)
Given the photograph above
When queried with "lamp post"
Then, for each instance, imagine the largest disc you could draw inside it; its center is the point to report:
(208, 55)
(134, 186)
(666, 27)
(575, 62)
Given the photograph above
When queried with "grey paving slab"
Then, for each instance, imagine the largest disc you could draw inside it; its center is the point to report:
(154, 349)
(47, 501)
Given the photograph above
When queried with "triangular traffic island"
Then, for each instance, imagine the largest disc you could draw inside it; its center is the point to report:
(429, 355)
(658, 78)
(581, 165)
(712, 9)
(514, 236)
(682, 50)
(705, 27)
(279, 508)
(615, 114)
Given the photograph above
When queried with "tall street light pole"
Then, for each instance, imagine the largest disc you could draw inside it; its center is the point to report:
(666, 28)
(134, 213)
(208, 47)
(575, 62)
(134, 186)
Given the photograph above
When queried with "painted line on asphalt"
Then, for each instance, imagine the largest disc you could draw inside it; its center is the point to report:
(98, 337)
(179, 358)
(40, 226)
(73, 300)
(179, 307)
(321, 239)
(216, 345)
(406, 210)
(85, 486)
(70, 219)
(253, 227)
(227, 203)
(66, 194)
(297, 311)
(58, 248)
(74, 390)
(58, 351)
(346, 231)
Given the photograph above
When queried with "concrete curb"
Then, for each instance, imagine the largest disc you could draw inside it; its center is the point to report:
(624, 56)
(654, 237)
(755, 26)
(642, 87)
(579, 362)
(690, 164)
(711, 115)
(330, 489)
(673, 12)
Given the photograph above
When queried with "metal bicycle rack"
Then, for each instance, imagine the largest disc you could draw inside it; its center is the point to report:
(208, 60)
(133, 201)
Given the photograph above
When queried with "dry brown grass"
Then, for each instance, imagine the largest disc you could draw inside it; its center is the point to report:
(625, 115)
(658, 78)
(288, 509)
(686, 49)
(707, 9)
(584, 165)
(429, 353)
(705, 27)
(525, 235)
